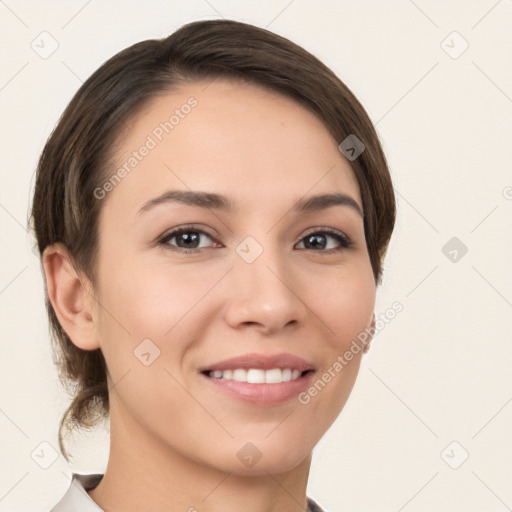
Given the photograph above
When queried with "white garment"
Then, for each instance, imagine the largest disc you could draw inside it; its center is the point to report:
(76, 498)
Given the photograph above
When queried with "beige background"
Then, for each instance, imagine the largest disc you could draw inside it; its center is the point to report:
(440, 371)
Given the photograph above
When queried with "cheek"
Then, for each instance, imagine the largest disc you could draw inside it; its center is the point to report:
(345, 307)
(146, 326)
(158, 302)
(150, 299)
(345, 303)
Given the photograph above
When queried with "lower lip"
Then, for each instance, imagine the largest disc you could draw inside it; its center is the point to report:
(261, 394)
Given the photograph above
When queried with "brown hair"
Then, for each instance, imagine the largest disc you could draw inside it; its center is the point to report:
(77, 156)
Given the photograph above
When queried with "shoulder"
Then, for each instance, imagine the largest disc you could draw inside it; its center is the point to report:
(76, 498)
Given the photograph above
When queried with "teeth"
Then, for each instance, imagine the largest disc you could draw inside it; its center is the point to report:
(240, 375)
(257, 375)
(273, 376)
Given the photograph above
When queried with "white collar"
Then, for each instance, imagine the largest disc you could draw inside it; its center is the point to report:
(76, 498)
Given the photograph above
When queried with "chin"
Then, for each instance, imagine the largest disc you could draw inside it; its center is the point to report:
(259, 457)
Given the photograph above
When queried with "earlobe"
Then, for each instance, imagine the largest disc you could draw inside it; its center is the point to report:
(73, 304)
(372, 331)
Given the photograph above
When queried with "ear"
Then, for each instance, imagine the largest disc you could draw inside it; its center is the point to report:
(369, 340)
(71, 296)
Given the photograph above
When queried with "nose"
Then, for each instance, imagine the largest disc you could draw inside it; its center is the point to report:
(265, 295)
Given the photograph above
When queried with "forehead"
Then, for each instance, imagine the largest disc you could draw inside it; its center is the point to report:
(255, 146)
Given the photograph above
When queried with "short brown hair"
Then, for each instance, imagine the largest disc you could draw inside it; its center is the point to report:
(76, 157)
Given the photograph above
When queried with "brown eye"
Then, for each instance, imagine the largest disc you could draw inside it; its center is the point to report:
(320, 239)
(186, 239)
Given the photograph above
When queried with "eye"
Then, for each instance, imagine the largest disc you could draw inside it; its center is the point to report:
(319, 238)
(187, 239)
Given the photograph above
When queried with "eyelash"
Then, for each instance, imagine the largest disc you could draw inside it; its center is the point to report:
(342, 239)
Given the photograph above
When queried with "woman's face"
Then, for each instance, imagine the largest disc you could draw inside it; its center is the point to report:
(259, 286)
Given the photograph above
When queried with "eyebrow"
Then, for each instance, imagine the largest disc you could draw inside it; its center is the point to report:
(219, 202)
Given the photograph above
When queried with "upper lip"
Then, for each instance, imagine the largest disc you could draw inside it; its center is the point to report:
(262, 361)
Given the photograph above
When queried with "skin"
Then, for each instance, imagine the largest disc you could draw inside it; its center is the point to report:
(175, 439)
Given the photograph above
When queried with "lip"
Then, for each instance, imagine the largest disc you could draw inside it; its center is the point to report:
(261, 394)
(262, 361)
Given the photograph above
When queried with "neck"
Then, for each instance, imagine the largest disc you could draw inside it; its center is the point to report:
(143, 473)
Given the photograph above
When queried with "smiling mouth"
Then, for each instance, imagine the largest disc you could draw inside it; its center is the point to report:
(257, 375)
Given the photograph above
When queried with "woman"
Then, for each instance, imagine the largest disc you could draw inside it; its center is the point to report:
(212, 211)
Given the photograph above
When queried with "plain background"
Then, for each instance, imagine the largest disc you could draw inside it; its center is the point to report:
(436, 386)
